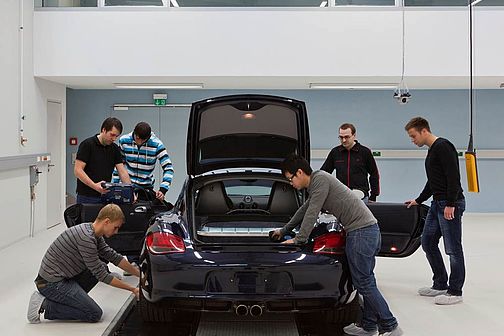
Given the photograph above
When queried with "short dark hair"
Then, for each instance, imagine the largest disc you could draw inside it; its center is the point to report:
(294, 162)
(346, 126)
(111, 122)
(142, 130)
(418, 123)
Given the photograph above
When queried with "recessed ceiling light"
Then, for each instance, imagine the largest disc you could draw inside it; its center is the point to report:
(353, 86)
(158, 86)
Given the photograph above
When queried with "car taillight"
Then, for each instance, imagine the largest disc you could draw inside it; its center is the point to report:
(163, 242)
(330, 243)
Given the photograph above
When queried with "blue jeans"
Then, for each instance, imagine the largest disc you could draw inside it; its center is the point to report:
(362, 245)
(88, 199)
(68, 299)
(436, 226)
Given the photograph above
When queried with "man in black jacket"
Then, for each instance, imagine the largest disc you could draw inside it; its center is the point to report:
(353, 163)
(445, 215)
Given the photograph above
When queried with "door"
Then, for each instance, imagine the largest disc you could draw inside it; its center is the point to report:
(400, 227)
(54, 168)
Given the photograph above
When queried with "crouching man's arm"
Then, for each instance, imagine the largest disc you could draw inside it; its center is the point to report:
(125, 265)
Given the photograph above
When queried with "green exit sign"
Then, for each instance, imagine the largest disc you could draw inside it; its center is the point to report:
(376, 153)
(160, 99)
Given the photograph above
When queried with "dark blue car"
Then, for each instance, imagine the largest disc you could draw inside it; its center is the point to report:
(212, 251)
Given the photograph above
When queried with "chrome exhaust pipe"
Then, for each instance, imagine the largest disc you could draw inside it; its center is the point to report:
(241, 310)
(256, 311)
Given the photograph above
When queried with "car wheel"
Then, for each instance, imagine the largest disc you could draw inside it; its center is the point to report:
(151, 312)
(346, 314)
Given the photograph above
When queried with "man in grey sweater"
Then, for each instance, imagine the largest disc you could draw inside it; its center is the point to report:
(71, 267)
(363, 239)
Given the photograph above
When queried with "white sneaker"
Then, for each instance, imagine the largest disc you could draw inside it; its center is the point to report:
(356, 330)
(34, 307)
(428, 291)
(448, 299)
(396, 332)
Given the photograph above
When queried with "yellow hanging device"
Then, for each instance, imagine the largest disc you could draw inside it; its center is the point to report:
(472, 172)
(471, 168)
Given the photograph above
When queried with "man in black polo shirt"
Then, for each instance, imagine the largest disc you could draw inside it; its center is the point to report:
(445, 214)
(96, 159)
(353, 163)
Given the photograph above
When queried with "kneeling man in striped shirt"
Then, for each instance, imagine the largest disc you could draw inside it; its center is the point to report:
(71, 267)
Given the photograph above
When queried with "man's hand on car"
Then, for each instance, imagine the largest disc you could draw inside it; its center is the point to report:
(277, 234)
(289, 241)
(410, 203)
(159, 195)
(136, 292)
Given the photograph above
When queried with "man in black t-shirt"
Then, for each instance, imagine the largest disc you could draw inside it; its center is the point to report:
(96, 159)
(354, 163)
(445, 214)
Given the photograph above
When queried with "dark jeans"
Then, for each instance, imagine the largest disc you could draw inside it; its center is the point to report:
(88, 199)
(362, 245)
(68, 299)
(436, 226)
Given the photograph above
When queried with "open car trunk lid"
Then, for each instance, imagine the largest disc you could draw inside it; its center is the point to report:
(256, 131)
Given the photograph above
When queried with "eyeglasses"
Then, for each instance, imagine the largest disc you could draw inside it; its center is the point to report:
(290, 178)
(345, 137)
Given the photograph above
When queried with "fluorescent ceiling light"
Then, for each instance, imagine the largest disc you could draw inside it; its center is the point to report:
(158, 86)
(352, 86)
(323, 4)
(475, 2)
(175, 3)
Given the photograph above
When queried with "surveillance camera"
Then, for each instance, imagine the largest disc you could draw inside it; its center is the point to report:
(402, 96)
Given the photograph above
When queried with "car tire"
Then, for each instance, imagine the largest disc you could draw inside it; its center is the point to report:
(346, 314)
(150, 312)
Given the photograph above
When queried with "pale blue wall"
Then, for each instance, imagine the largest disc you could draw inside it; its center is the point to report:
(378, 117)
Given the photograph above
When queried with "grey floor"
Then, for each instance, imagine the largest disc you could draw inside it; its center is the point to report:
(481, 313)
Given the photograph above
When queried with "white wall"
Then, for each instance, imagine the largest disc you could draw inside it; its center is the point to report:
(321, 43)
(15, 204)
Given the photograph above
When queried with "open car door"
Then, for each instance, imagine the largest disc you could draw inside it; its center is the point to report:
(129, 239)
(401, 227)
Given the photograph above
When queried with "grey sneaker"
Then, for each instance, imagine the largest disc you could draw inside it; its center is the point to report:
(429, 291)
(355, 329)
(448, 299)
(396, 332)
(35, 307)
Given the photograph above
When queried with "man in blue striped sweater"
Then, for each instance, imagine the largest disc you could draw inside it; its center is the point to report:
(71, 267)
(141, 148)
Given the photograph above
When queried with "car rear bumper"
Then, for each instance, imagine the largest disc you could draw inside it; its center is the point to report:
(221, 281)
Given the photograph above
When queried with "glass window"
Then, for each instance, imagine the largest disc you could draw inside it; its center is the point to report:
(435, 2)
(66, 3)
(133, 3)
(249, 3)
(255, 187)
(491, 3)
(365, 2)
